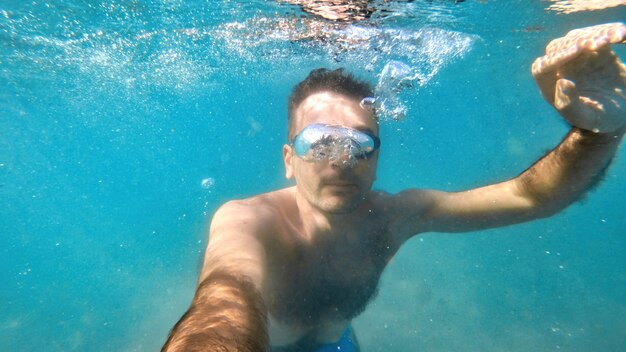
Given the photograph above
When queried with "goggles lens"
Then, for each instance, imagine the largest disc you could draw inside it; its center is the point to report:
(318, 142)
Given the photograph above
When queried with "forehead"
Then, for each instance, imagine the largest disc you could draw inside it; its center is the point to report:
(333, 108)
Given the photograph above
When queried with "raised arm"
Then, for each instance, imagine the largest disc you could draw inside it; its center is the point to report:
(585, 81)
(227, 312)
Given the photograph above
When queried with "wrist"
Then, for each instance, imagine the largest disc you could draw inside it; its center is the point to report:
(591, 137)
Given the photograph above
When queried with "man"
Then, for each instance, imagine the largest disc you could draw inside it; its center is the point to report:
(289, 269)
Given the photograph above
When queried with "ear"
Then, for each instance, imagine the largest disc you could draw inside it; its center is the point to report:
(288, 160)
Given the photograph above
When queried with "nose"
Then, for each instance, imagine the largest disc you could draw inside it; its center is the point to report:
(346, 156)
(343, 161)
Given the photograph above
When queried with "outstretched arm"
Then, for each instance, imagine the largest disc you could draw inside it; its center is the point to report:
(585, 81)
(227, 312)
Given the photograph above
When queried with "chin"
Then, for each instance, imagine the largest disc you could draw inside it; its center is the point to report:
(342, 206)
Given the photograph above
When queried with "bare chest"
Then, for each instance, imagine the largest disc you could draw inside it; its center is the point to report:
(318, 285)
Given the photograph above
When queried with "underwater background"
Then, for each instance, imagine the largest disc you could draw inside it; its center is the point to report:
(126, 123)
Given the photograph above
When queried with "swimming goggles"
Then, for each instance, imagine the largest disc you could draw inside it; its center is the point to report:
(318, 142)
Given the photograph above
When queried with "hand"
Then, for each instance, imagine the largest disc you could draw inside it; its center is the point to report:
(583, 78)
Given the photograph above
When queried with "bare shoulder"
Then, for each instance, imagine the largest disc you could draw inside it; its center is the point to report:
(240, 232)
(251, 216)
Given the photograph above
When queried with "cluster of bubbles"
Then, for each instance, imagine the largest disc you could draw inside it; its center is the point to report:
(400, 58)
(345, 151)
(393, 79)
(182, 46)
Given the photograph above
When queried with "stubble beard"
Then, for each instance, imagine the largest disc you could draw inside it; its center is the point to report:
(340, 205)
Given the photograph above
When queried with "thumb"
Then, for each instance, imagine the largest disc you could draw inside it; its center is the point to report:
(578, 111)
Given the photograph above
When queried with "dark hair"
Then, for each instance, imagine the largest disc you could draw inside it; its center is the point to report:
(320, 80)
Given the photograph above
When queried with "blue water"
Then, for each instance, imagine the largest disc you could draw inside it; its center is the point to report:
(125, 124)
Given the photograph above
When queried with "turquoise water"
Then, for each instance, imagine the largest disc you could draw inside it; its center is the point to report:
(125, 124)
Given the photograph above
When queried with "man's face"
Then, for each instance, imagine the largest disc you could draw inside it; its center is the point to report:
(332, 186)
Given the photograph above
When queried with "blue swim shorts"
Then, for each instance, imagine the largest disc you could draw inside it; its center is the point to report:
(347, 343)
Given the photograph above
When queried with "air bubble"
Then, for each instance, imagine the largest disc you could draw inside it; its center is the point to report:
(395, 77)
(208, 183)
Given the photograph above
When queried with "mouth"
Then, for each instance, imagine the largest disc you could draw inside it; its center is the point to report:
(340, 185)
(338, 182)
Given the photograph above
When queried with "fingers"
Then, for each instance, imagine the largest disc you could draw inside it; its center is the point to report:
(544, 71)
(590, 38)
(614, 33)
(564, 94)
(567, 48)
(571, 6)
(551, 62)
